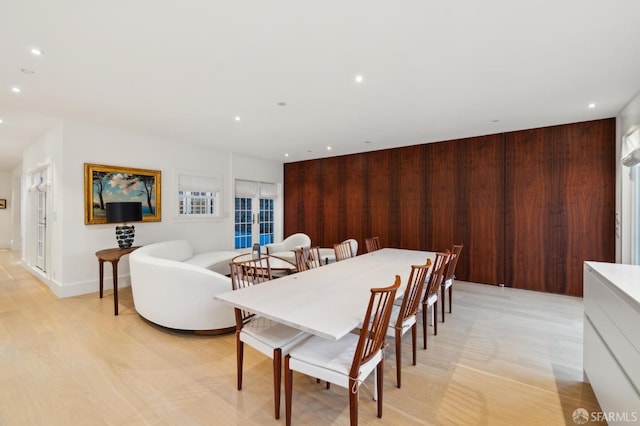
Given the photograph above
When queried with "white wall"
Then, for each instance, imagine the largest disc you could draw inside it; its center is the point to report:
(16, 209)
(5, 214)
(75, 270)
(629, 120)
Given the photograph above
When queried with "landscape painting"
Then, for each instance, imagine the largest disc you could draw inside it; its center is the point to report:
(105, 184)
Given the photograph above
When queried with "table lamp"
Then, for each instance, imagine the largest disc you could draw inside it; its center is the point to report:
(123, 212)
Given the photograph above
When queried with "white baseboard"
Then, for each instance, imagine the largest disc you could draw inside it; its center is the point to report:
(79, 288)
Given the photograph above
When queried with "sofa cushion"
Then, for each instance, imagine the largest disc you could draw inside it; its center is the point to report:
(178, 250)
(217, 261)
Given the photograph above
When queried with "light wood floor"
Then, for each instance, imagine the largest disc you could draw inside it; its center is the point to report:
(504, 357)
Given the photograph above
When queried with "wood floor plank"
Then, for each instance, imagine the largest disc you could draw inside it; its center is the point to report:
(504, 357)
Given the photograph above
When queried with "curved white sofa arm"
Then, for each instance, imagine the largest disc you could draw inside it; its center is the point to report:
(290, 243)
(175, 294)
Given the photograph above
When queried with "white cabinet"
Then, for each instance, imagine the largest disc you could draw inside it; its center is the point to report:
(612, 336)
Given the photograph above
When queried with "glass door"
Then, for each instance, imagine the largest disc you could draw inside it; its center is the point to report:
(254, 213)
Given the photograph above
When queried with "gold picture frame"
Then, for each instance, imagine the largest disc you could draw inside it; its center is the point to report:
(3, 203)
(103, 184)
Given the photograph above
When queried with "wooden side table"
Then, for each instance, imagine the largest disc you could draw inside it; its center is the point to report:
(112, 255)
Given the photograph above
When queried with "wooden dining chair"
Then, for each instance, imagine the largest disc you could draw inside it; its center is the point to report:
(307, 258)
(449, 276)
(343, 251)
(430, 295)
(269, 337)
(372, 244)
(405, 315)
(350, 360)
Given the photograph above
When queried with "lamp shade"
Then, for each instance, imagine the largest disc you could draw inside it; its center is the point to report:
(121, 212)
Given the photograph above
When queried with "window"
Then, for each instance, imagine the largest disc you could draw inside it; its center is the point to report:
(255, 213)
(198, 196)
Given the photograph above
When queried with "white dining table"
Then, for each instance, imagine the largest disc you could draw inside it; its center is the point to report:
(329, 301)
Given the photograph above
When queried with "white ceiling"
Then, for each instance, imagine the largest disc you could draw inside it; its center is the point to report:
(433, 70)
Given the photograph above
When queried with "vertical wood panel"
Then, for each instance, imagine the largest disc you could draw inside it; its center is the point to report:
(311, 203)
(440, 175)
(560, 200)
(356, 193)
(380, 196)
(293, 215)
(527, 204)
(466, 204)
(332, 210)
(589, 200)
(410, 187)
(482, 258)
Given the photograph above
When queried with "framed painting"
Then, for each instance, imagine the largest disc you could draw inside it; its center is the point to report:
(3, 203)
(104, 184)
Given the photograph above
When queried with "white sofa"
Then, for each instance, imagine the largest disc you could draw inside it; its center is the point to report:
(284, 250)
(175, 288)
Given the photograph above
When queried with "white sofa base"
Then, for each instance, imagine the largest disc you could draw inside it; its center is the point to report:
(175, 288)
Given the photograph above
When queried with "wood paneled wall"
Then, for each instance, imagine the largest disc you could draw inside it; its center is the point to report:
(559, 204)
(529, 206)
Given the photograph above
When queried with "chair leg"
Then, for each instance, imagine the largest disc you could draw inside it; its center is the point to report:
(239, 359)
(277, 377)
(379, 380)
(442, 293)
(450, 297)
(353, 402)
(398, 357)
(425, 307)
(328, 384)
(288, 390)
(435, 317)
(414, 337)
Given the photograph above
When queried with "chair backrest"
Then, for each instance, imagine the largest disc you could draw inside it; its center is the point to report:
(307, 258)
(343, 250)
(450, 271)
(374, 327)
(245, 274)
(437, 272)
(413, 292)
(372, 244)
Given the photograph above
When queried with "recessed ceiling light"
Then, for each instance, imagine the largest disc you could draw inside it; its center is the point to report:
(237, 118)
(359, 78)
(495, 121)
(27, 71)
(282, 103)
(286, 154)
(367, 141)
(592, 105)
(36, 52)
(328, 148)
(1, 121)
(16, 90)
